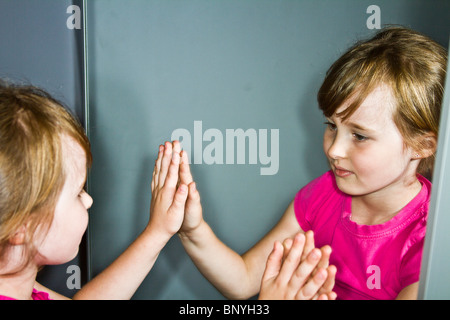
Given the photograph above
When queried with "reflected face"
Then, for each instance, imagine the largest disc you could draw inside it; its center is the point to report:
(366, 152)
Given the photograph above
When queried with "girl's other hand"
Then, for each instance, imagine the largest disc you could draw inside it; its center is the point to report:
(297, 270)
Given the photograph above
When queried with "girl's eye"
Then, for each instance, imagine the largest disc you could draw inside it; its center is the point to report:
(330, 125)
(359, 137)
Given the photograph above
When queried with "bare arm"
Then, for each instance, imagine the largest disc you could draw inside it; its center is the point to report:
(235, 276)
(121, 279)
(409, 293)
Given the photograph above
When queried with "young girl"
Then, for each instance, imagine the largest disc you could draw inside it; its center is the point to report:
(44, 156)
(381, 101)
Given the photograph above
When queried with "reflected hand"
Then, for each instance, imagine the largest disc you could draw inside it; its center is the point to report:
(193, 211)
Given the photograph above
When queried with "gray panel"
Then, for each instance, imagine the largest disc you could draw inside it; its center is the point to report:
(158, 67)
(435, 278)
(39, 49)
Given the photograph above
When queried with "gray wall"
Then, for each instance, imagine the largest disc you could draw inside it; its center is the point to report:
(157, 67)
(38, 48)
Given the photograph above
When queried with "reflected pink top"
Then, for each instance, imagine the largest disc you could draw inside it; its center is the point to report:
(373, 261)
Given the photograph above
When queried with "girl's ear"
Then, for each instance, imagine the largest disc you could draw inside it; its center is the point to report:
(19, 237)
(428, 146)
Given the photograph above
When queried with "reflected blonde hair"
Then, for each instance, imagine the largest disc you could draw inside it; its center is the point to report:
(31, 161)
(412, 65)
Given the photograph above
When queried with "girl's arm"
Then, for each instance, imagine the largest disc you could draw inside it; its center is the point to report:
(122, 278)
(409, 293)
(235, 276)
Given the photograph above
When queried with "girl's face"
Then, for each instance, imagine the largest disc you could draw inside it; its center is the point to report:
(366, 152)
(70, 220)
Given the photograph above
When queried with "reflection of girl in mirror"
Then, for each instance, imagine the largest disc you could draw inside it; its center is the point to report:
(381, 101)
(44, 156)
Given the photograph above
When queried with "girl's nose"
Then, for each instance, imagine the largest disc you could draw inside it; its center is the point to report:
(337, 148)
(87, 200)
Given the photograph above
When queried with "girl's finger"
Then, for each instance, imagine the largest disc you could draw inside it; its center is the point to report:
(274, 262)
(309, 244)
(171, 180)
(292, 260)
(325, 260)
(310, 289)
(157, 168)
(176, 146)
(165, 163)
(305, 269)
(179, 200)
(287, 245)
(329, 283)
(185, 170)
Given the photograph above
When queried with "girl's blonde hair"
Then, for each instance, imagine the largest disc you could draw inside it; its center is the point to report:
(31, 161)
(412, 65)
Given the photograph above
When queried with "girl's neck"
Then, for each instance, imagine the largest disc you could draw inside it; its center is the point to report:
(382, 206)
(17, 282)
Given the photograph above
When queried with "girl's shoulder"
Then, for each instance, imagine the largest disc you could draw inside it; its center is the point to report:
(320, 195)
(320, 187)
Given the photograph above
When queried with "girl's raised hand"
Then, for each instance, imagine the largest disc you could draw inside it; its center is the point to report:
(168, 197)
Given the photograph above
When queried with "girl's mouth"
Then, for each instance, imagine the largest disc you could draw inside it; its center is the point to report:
(341, 172)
